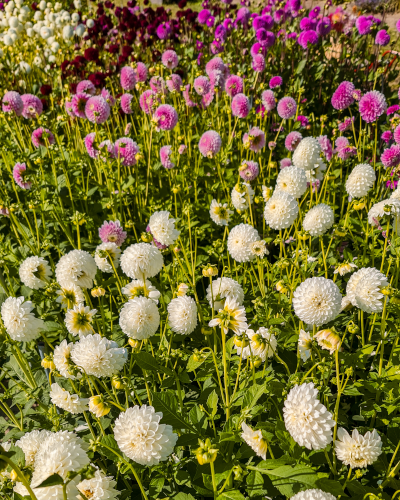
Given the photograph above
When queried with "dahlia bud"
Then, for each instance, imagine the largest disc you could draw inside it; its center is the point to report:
(387, 291)
(328, 339)
(116, 382)
(255, 362)
(359, 205)
(206, 331)
(238, 473)
(281, 287)
(241, 340)
(258, 341)
(177, 249)
(13, 475)
(272, 146)
(134, 343)
(176, 189)
(206, 454)
(257, 200)
(352, 327)
(98, 406)
(210, 271)
(98, 292)
(182, 290)
(127, 128)
(147, 237)
(48, 363)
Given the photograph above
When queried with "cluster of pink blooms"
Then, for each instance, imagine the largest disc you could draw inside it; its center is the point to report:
(86, 104)
(124, 149)
(27, 105)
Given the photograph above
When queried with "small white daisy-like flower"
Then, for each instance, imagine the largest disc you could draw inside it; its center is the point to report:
(281, 210)
(241, 196)
(306, 419)
(360, 180)
(182, 290)
(317, 301)
(79, 320)
(62, 360)
(182, 315)
(313, 495)
(104, 252)
(239, 240)
(262, 344)
(305, 345)
(19, 320)
(98, 356)
(231, 317)
(71, 403)
(259, 249)
(292, 180)
(30, 444)
(374, 275)
(356, 450)
(139, 318)
(255, 440)
(162, 227)
(307, 153)
(142, 437)
(99, 487)
(220, 213)
(136, 288)
(345, 268)
(318, 220)
(70, 296)
(35, 272)
(267, 193)
(391, 206)
(141, 260)
(221, 289)
(368, 294)
(77, 267)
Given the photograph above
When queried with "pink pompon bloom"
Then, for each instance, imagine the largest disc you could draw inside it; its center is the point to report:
(89, 142)
(165, 154)
(148, 101)
(387, 136)
(240, 106)
(340, 143)
(254, 140)
(170, 59)
(207, 99)
(106, 94)
(286, 108)
(276, 81)
(33, 106)
(210, 143)
(346, 125)
(307, 37)
(174, 83)
(110, 147)
(363, 25)
(382, 38)
(69, 109)
(268, 100)
(343, 96)
(42, 137)
(326, 146)
(166, 117)
(186, 95)
(19, 173)
(78, 104)
(265, 38)
(292, 140)
(357, 94)
(249, 170)
(398, 26)
(128, 78)
(182, 149)
(306, 24)
(304, 121)
(372, 105)
(346, 152)
(391, 156)
(285, 162)
(12, 103)
(258, 63)
(243, 16)
(86, 86)
(324, 26)
(158, 85)
(141, 72)
(112, 232)
(203, 16)
(164, 31)
(126, 103)
(217, 79)
(97, 109)
(202, 85)
(393, 109)
(396, 134)
(215, 63)
(257, 48)
(126, 150)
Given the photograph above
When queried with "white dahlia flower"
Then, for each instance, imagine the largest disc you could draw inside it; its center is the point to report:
(307, 153)
(360, 180)
(259, 249)
(182, 315)
(281, 210)
(221, 289)
(30, 444)
(374, 276)
(69, 296)
(77, 267)
(368, 294)
(104, 252)
(255, 440)
(141, 260)
(345, 268)
(136, 288)
(71, 403)
(79, 320)
(317, 171)
(220, 213)
(231, 317)
(62, 360)
(139, 318)
(313, 495)
(163, 228)
(317, 301)
(239, 240)
(142, 438)
(262, 344)
(305, 345)
(35, 272)
(356, 450)
(306, 419)
(292, 180)
(99, 487)
(98, 356)
(391, 206)
(346, 303)
(241, 196)
(21, 324)
(318, 220)
(396, 193)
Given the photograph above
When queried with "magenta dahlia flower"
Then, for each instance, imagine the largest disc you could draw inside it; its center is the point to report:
(372, 105)
(166, 117)
(382, 38)
(126, 103)
(86, 87)
(257, 48)
(112, 232)
(234, 85)
(174, 82)
(202, 85)
(89, 142)
(106, 94)
(258, 63)
(324, 26)
(286, 108)
(69, 109)
(396, 134)
(391, 156)
(78, 104)
(249, 170)
(398, 26)
(217, 79)
(343, 96)
(42, 137)
(12, 103)
(341, 142)
(210, 143)
(207, 99)
(97, 109)
(265, 38)
(19, 172)
(254, 139)
(292, 140)
(304, 121)
(165, 153)
(276, 81)
(240, 106)
(307, 37)
(128, 78)
(33, 106)
(186, 95)
(346, 152)
(126, 150)
(346, 125)
(387, 136)
(164, 31)
(141, 72)
(392, 109)
(170, 59)
(203, 16)
(363, 25)
(148, 101)
(268, 100)
(215, 63)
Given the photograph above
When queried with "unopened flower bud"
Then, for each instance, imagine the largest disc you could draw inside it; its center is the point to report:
(206, 331)
(134, 343)
(147, 237)
(255, 362)
(13, 475)
(182, 290)
(176, 189)
(328, 339)
(206, 454)
(48, 363)
(116, 382)
(98, 406)
(98, 292)
(281, 287)
(241, 340)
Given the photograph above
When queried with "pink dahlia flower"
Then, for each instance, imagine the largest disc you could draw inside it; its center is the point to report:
(19, 173)
(141, 72)
(107, 144)
(210, 143)
(112, 232)
(286, 108)
(12, 103)
(42, 137)
(372, 105)
(97, 109)
(170, 59)
(240, 106)
(126, 103)
(126, 150)
(285, 162)
(346, 125)
(258, 63)
(254, 140)
(148, 101)
(343, 96)
(391, 156)
(165, 153)
(157, 84)
(215, 63)
(387, 136)
(89, 142)
(188, 100)
(202, 85)
(292, 140)
(78, 104)
(86, 87)
(128, 78)
(33, 106)
(382, 38)
(396, 134)
(326, 146)
(106, 94)
(276, 81)
(268, 100)
(174, 82)
(249, 170)
(166, 117)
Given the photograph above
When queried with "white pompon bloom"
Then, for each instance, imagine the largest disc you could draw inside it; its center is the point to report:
(305, 345)
(255, 440)
(220, 213)
(182, 315)
(241, 196)
(391, 206)
(259, 249)
(292, 180)
(231, 317)
(239, 240)
(19, 320)
(98, 356)
(281, 210)
(139, 318)
(62, 360)
(70, 296)
(71, 403)
(136, 289)
(77, 267)
(79, 320)
(307, 153)
(318, 220)
(368, 294)
(306, 419)
(30, 443)
(142, 438)
(373, 275)
(35, 272)
(356, 450)
(99, 487)
(162, 227)
(313, 495)
(262, 344)
(104, 252)
(317, 301)
(221, 289)
(141, 259)
(360, 180)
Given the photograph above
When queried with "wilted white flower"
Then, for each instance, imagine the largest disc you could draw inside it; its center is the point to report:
(35, 272)
(306, 155)
(79, 320)
(20, 323)
(345, 268)
(239, 240)
(221, 289)
(313, 495)
(231, 317)
(318, 220)
(182, 290)
(305, 345)
(142, 438)
(182, 315)
(63, 399)
(162, 227)
(259, 249)
(30, 443)
(220, 213)
(255, 440)
(139, 318)
(136, 289)
(328, 339)
(70, 296)
(141, 260)
(242, 195)
(99, 487)
(62, 357)
(356, 450)
(262, 344)
(281, 210)
(391, 206)
(77, 267)
(360, 180)
(292, 180)
(104, 252)
(306, 419)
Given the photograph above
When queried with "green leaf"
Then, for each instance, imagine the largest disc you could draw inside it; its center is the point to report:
(167, 403)
(231, 495)
(301, 66)
(212, 403)
(147, 362)
(330, 486)
(110, 442)
(53, 480)
(255, 484)
(252, 396)
(193, 365)
(287, 474)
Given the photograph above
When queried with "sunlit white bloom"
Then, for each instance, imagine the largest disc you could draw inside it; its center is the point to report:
(307, 153)
(182, 290)
(62, 360)
(316, 173)
(374, 276)
(182, 315)
(345, 268)
(19, 320)
(259, 249)
(391, 206)
(266, 193)
(346, 303)
(305, 345)
(368, 294)
(162, 227)
(221, 289)
(136, 289)
(139, 318)
(30, 443)
(231, 317)
(77, 267)
(318, 220)
(141, 260)
(360, 180)
(99, 487)
(104, 253)
(71, 403)
(242, 196)
(292, 180)
(255, 440)
(313, 495)
(35, 272)
(220, 213)
(79, 320)
(70, 296)
(239, 240)
(281, 210)
(356, 450)
(261, 344)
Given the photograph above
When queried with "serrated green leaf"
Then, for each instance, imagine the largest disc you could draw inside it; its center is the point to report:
(53, 480)
(147, 362)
